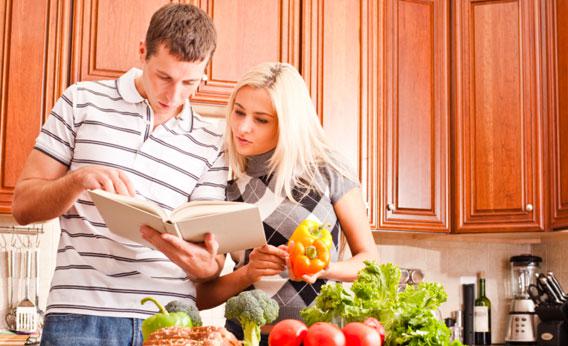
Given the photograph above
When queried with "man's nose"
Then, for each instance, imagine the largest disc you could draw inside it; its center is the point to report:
(175, 93)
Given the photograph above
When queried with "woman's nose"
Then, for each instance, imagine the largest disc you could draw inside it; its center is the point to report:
(245, 125)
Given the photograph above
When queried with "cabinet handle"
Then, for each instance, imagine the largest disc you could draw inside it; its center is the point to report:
(529, 207)
(390, 207)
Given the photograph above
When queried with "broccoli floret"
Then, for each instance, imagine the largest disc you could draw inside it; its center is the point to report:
(189, 309)
(252, 309)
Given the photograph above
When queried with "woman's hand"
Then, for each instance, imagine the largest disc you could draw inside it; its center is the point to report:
(266, 260)
(307, 278)
(199, 261)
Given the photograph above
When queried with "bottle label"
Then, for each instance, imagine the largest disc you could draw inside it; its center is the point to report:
(481, 319)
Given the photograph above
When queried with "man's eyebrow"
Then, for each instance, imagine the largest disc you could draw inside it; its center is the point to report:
(167, 75)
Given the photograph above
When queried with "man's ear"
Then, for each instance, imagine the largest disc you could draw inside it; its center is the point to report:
(142, 51)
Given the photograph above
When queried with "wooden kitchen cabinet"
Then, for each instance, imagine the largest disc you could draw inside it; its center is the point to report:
(321, 41)
(331, 57)
(99, 39)
(498, 117)
(107, 34)
(557, 62)
(414, 127)
(32, 74)
(481, 165)
(454, 113)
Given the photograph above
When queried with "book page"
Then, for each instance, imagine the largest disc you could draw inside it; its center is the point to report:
(203, 208)
(235, 228)
(124, 219)
(147, 206)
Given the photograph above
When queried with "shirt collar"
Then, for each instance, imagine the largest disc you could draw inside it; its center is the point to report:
(127, 90)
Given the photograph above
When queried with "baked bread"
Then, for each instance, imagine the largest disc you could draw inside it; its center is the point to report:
(196, 336)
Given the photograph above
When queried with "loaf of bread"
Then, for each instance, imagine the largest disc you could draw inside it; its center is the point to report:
(196, 336)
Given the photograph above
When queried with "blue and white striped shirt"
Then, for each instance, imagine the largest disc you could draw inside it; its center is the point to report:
(109, 123)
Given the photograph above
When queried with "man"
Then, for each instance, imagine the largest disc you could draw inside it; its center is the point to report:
(138, 136)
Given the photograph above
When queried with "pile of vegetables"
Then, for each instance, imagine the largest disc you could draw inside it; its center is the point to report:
(295, 333)
(407, 316)
(252, 309)
(176, 313)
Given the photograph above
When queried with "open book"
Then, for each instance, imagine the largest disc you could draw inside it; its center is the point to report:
(236, 225)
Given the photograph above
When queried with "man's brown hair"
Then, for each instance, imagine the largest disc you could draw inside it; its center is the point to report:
(185, 30)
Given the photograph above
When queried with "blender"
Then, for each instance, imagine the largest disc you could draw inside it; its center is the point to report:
(522, 317)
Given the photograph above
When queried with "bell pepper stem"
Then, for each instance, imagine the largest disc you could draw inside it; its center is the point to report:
(153, 300)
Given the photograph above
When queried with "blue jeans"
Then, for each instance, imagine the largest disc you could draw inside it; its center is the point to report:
(85, 330)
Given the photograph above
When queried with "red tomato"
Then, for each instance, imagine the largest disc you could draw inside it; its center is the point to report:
(360, 334)
(287, 333)
(374, 323)
(324, 334)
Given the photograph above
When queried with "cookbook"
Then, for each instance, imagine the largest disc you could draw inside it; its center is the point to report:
(236, 225)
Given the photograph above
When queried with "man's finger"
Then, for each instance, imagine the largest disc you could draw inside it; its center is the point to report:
(151, 235)
(106, 184)
(119, 186)
(127, 183)
(211, 244)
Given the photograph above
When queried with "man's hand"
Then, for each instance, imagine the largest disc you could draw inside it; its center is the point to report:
(200, 262)
(265, 261)
(105, 178)
(46, 188)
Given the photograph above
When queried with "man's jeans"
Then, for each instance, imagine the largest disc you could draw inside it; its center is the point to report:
(84, 330)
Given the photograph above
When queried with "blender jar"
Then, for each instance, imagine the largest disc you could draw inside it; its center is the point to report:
(524, 269)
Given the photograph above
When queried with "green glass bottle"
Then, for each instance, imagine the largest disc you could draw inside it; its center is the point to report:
(482, 314)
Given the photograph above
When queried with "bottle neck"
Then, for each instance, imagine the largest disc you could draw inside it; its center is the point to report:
(481, 288)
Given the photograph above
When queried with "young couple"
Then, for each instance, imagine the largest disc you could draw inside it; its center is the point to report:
(138, 135)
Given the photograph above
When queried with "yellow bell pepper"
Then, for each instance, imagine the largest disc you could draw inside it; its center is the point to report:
(309, 248)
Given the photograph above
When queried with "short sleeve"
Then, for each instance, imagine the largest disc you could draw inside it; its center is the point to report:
(57, 136)
(213, 184)
(338, 183)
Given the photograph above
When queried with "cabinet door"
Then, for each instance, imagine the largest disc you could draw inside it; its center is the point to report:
(331, 62)
(498, 140)
(557, 11)
(107, 35)
(32, 54)
(414, 134)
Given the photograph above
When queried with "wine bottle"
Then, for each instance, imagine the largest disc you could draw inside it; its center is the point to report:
(482, 314)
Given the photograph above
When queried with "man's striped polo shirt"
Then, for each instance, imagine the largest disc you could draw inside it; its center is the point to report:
(108, 123)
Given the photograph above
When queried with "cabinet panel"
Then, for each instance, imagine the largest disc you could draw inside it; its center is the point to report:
(558, 39)
(415, 150)
(30, 73)
(248, 32)
(498, 148)
(372, 90)
(331, 65)
(107, 35)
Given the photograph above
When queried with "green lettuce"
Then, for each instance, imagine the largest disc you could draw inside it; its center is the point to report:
(407, 316)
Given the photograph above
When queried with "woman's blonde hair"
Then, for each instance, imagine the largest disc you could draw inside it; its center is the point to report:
(302, 146)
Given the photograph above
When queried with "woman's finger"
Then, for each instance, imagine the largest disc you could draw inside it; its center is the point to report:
(261, 263)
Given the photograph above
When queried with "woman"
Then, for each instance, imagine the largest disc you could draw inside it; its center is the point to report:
(282, 162)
